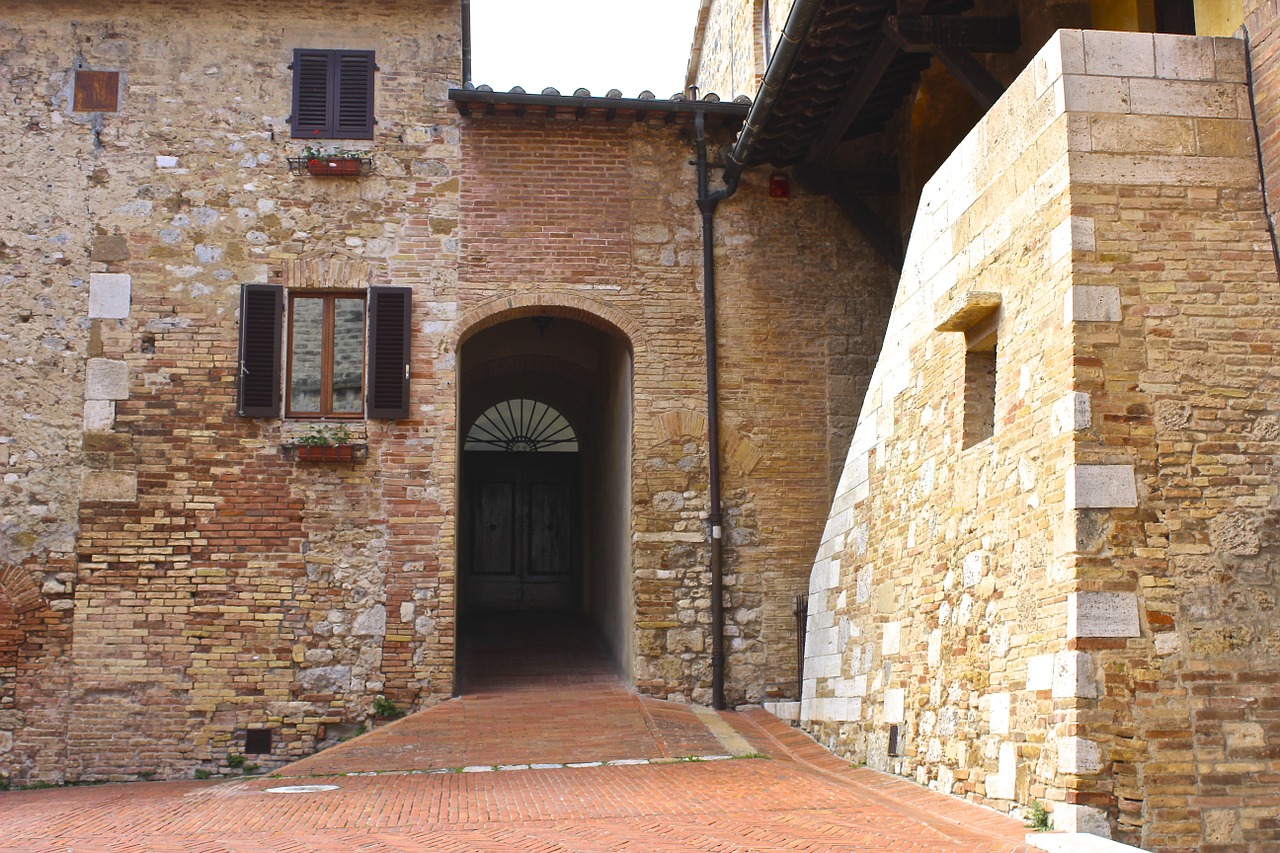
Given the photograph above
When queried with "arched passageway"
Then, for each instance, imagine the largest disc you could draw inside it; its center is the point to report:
(544, 536)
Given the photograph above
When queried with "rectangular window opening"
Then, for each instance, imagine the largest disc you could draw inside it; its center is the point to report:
(257, 742)
(980, 392)
(333, 94)
(893, 740)
(326, 355)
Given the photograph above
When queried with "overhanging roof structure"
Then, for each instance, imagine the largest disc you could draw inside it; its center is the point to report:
(845, 67)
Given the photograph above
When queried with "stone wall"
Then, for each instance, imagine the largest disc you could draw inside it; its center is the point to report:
(1030, 613)
(220, 586)
(731, 48)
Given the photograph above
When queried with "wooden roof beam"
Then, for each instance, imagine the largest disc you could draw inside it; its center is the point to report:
(971, 74)
(872, 68)
(979, 34)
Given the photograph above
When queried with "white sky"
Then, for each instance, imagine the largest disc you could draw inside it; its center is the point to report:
(630, 45)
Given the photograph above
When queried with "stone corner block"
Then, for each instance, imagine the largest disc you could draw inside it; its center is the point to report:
(1116, 54)
(1040, 673)
(1073, 677)
(1101, 487)
(99, 415)
(1078, 756)
(1088, 303)
(1072, 413)
(1075, 233)
(1001, 707)
(891, 640)
(106, 379)
(109, 295)
(1071, 817)
(1102, 614)
(110, 486)
(895, 701)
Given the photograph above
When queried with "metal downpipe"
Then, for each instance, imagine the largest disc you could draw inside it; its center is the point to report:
(466, 43)
(707, 203)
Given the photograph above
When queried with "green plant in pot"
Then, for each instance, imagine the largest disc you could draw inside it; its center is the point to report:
(334, 161)
(324, 443)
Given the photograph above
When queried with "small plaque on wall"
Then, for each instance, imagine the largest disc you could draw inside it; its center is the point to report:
(97, 91)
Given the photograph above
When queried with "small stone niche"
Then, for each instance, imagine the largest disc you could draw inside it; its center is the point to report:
(257, 742)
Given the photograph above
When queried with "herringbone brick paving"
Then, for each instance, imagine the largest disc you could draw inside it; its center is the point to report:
(800, 798)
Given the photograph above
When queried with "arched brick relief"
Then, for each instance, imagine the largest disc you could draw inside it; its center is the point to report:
(685, 423)
(12, 636)
(17, 584)
(551, 303)
(322, 270)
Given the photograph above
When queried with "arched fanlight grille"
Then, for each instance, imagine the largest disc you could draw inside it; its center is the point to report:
(522, 425)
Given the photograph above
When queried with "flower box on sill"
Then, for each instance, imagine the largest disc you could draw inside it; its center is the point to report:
(331, 167)
(325, 452)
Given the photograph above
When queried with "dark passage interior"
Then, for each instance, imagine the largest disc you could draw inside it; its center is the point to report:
(544, 505)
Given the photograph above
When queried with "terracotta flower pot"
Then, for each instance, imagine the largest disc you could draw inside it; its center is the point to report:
(335, 166)
(325, 453)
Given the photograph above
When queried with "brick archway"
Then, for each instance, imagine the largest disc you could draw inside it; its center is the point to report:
(581, 365)
(551, 303)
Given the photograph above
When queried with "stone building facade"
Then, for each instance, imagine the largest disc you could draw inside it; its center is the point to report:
(177, 584)
(1048, 569)
(1049, 572)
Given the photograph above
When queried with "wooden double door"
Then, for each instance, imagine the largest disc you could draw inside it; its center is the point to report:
(521, 543)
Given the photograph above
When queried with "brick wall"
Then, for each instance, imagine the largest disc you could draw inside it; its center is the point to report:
(797, 330)
(1183, 380)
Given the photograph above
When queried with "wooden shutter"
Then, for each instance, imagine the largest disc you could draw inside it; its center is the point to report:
(311, 93)
(261, 311)
(390, 323)
(352, 116)
(333, 94)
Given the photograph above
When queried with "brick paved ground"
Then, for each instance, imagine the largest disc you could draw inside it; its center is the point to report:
(800, 798)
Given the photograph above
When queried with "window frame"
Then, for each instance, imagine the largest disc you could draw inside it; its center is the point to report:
(339, 93)
(327, 342)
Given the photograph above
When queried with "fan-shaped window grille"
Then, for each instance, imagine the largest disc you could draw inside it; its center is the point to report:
(522, 425)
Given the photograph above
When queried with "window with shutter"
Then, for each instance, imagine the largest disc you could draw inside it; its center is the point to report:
(261, 306)
(333, 94)
(389, 333)
(347, 352)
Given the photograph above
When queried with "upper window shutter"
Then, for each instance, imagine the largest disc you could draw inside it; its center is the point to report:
(311, 92)
(390, 317)
(333, 94)
(352, 117)
(261, 311)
